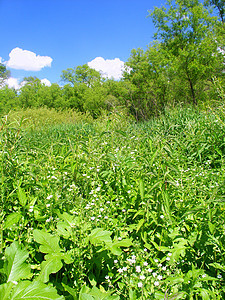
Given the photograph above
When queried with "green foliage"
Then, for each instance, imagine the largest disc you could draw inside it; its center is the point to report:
(4, 74)
(98, 211)
(177, 68)
(15, 268)
(186, 31)
(8, 100)
(219, 5)
(81, 74)
(40, 117)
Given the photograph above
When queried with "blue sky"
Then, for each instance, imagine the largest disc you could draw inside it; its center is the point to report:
(45, 37)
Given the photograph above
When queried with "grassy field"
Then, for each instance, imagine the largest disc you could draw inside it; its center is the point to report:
(110, 209)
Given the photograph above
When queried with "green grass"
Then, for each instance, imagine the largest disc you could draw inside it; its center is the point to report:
(112, 209)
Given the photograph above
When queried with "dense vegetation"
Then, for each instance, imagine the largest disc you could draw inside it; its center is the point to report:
(112, 208)
(95, 205)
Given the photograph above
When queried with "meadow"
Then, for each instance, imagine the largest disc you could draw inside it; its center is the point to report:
(111, 209)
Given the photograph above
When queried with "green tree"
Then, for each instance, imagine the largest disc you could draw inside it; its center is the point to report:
(72, 96)
(30, 79)
(8, 100)
(185, 30)
(219, 5)
(148, 74)
(4, 74)
(50, 96)
(94, 100)
(29, 92)
(81, 74)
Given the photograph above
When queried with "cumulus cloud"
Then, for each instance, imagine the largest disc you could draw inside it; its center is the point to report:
(109, 68)
(46, 82)
(16, 84)
(13, 83)
(26, 60)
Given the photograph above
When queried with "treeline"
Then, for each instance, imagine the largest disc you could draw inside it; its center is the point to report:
(181, 66)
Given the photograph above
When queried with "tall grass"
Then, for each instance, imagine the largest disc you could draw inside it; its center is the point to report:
(112, 209)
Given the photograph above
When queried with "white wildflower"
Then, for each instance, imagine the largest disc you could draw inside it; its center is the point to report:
(138, 269)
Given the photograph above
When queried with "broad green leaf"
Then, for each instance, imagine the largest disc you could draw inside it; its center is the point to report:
(114, 247)
(123, 243)
(64, 229)
(178, 250)
(84, 293)
(132, 294)
(99, 293)
(71, 220)
(12, 220)
(34, 291)
(22, 196)
(5, 290)
(98, 235)
(15, 266)
(175, 280)
(52, 264)
(205, 295)
(49, 243)
(84, 296)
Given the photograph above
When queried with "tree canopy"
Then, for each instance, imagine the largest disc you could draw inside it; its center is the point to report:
(4, 74)
(80, 74)
(179, 67)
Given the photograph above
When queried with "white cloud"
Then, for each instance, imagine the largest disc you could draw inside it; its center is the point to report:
(110, 68)
(1, 61)
(46, 82)
(13, 83)
(26, 60)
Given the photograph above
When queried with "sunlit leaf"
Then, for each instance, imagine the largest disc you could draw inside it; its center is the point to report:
(34, 291)
(15, 266)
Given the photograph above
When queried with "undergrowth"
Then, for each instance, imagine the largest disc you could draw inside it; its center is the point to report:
(112, 209)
